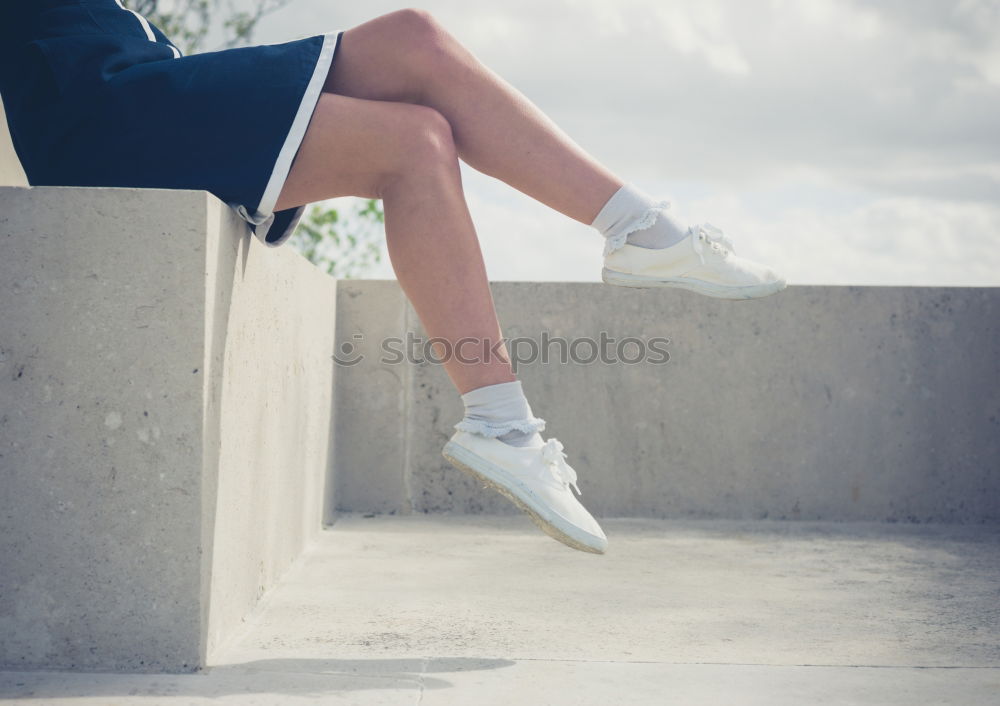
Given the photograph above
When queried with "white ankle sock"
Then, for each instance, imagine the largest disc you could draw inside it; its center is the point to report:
(633, 216)
(501, 411)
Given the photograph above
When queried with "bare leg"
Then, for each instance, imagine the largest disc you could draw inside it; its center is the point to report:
(405, 101)
(404, 154)
(407, 56)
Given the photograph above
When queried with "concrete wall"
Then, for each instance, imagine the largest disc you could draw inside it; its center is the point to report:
(11, 173)
(171, 415)
(166, 388)
(819, 403)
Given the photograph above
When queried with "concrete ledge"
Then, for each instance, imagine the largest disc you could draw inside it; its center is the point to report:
(165, 428)
(820, 403)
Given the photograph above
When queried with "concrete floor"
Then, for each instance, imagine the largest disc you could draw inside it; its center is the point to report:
(483, 610)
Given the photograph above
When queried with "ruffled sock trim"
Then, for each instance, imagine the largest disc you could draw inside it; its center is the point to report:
(646, 220)
(492, 430)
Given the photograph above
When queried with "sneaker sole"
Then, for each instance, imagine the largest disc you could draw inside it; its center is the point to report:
(498, 479)
(720, 291)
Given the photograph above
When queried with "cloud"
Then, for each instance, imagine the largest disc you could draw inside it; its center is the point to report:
(701, 29)
(848, 141)
(740, 89)
(811, 233)
(889, 241)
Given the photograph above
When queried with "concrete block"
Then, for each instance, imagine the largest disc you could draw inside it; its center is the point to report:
(372, 398)
(166, 385)
(819, 403)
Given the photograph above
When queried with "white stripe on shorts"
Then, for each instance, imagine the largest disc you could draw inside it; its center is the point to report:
(148, 30)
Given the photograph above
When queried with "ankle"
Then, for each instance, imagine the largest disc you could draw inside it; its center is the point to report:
(502, 412)
(632, 216)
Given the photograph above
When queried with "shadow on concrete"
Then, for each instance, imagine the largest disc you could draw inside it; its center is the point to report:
(289, 677)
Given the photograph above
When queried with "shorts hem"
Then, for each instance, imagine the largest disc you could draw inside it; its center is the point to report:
(264, 218)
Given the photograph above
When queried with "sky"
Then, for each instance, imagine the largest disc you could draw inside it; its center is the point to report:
(845, 142)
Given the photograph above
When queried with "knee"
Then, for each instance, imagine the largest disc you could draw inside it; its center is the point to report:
(425, 147)
(419, 30)
(417, 22)
(430, 141)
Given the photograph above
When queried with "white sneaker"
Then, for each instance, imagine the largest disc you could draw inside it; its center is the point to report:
(537, 479)
(704, 262)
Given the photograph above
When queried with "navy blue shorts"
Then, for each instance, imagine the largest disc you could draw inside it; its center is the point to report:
(95, 95)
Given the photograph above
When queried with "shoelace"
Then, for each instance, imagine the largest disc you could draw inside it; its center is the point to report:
(707, 233)
(553, 456)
